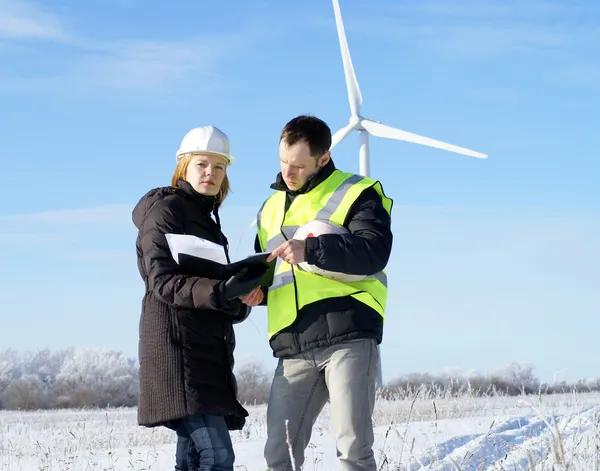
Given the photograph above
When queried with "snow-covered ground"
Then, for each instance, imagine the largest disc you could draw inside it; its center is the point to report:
(466, 433)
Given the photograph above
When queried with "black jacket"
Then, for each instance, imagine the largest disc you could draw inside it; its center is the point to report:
(186, 337)
(365, 250)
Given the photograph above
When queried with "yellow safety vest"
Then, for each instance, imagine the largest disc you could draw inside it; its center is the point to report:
(293, 288)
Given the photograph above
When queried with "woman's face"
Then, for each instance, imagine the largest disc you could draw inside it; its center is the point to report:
(205, 173)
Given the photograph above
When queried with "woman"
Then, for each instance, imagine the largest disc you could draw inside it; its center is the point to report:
(186, 334)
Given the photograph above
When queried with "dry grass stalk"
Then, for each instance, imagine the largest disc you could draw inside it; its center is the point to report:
(289, 444)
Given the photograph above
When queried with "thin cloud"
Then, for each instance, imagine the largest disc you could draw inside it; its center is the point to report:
(25, 20)
(104, 234)
(147, 65)
(482, 9)
(559, 41)
(101, 215)
(106, 256)
(73, 233)
(31, 238)
(91, 63)
(115, 214)
(484, 29)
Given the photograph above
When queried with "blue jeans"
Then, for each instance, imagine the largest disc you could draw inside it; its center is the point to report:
(203, 444)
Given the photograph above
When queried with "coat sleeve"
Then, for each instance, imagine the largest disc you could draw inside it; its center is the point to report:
(165, 279)
(367, 247)
(268, 277)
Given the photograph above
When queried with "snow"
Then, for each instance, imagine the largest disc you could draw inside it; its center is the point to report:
(466, 433)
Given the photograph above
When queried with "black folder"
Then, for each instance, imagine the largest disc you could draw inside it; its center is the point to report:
(256, 264)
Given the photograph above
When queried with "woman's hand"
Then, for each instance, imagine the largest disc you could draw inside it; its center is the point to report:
(254, 298)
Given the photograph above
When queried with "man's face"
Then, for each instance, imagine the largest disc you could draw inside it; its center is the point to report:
(297, 165)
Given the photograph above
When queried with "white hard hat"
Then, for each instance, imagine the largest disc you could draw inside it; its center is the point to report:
(314, 229)
(207, 139)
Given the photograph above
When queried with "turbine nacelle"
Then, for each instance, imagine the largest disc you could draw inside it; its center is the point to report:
(355, 122)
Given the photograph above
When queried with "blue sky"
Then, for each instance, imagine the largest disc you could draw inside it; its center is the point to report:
(494, 260)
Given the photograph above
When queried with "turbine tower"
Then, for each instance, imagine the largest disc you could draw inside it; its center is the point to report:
(366, 126)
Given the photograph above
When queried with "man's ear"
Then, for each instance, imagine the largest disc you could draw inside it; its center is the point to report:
(324, 159)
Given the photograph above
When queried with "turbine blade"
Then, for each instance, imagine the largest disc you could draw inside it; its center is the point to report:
(340, 135)
(354, 95)
(381, 130)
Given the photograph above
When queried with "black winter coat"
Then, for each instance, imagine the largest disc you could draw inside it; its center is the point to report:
(366, 249)
(186, 336)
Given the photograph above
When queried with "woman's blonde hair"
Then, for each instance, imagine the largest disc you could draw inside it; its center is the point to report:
(181, 171)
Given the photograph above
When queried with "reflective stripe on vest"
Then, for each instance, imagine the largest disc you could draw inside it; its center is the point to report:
(293, 288)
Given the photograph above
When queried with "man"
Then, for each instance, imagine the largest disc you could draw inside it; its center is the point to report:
(324, 332)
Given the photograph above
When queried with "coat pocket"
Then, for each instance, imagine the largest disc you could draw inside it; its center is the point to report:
(176, 326)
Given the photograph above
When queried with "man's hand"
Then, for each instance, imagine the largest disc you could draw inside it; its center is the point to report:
(254, 298)
(291, 251)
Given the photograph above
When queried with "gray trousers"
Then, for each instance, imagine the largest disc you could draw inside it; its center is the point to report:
(344, 374)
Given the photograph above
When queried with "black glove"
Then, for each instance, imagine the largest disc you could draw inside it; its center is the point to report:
(237, 310)
(239, 284)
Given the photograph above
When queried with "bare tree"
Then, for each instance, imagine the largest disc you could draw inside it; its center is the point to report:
(253, 383)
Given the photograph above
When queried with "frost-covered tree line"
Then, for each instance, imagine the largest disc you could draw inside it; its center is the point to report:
(97, 378)
(67, 378)
(511, 380)
(94, 378)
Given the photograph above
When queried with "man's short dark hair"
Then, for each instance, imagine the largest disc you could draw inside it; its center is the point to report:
(311, 129)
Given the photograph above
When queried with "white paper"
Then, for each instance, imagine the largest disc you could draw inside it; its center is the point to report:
(196, 246)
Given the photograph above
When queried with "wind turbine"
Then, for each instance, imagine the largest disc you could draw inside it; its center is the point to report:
(366, 126)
